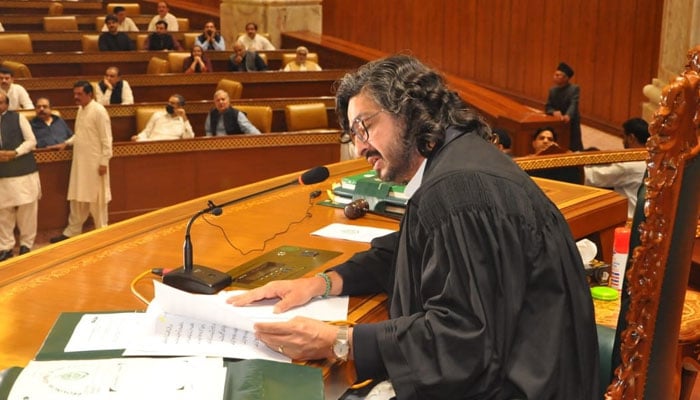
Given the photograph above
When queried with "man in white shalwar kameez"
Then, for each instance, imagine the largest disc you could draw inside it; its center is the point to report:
(20, 188)
(88, 188)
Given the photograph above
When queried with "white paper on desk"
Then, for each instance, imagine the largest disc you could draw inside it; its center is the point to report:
(194, 324)
(125, 378)
(105, 331)
(352, 232)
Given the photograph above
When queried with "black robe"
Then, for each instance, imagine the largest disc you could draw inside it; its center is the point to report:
(488, 298)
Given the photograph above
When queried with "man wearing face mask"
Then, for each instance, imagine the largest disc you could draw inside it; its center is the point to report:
(169, 124)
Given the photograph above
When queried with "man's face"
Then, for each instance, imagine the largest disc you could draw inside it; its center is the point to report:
(3, 103)
(160, 28)
(81, 98)
(209, 29)
(543, 140)
(112, 26)
(162, 9)
(5, 81)
(301, 57)
(112, 76)
(43, 109)
(221, 101)
(385, 150)
(239, 50)
(560, 78)
(250, 30)
(121, 15)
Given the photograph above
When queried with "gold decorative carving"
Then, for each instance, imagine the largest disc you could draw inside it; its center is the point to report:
(673, 141)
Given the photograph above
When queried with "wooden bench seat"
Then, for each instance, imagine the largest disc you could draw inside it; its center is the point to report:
(42, 7)
(124, 121)
(157, 88)
(72, 63)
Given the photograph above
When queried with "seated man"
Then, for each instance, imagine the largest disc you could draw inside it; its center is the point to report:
(163, 15)
(243, 60)
(253, 41)
(544, 142)
(125, 24)
(17, 95)
(300, 63)
(50, 130)
(225, 120)
(624, 177)
(113, 89)
(161, 39)
(487, 296)
(169, 124)
(113, 40)
(210, 39)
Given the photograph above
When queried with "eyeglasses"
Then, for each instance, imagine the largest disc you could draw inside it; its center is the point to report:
(359, 129)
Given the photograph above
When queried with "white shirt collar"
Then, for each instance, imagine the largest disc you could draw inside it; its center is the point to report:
(415, 182)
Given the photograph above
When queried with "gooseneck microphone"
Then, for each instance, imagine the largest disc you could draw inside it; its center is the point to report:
(199, 279)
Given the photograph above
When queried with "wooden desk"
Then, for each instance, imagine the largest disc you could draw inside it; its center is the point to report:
(70, 61)
(158, 88)
(92, 272)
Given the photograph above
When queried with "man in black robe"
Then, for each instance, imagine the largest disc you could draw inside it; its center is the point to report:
(488, 298)
(562, 102)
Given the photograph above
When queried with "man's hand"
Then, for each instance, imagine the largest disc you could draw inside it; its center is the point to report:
(300, 338)
(7, 155)
(107, 83)
(292, 293)
(180, 112)
(101, 170)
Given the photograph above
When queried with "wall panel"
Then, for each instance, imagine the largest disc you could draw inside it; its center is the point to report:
(514, 46)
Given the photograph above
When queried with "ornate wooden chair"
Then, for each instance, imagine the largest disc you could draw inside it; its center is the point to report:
(651, 362)
(157, 65)
(61, 23)
(11, 43)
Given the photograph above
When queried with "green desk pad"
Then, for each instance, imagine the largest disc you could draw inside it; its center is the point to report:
(245, 379)
(284, 262)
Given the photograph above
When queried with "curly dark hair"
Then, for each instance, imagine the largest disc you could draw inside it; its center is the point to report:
(416, 95)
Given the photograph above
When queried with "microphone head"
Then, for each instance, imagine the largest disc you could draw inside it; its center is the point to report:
(217, 211)
(314, 175)
(356, 209)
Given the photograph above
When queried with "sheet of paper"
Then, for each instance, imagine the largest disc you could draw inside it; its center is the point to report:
(105, 331)
(124, 378)
(351, 232)
(214, 308)
(174, 335)
(193, 324)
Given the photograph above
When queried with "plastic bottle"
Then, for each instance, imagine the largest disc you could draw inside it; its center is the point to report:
(621, 244)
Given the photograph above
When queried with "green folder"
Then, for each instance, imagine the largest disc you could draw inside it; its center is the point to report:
(245, 379)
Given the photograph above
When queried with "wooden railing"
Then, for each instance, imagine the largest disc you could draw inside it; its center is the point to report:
(146, 176)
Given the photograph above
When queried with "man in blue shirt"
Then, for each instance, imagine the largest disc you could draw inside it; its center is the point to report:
(50, 129)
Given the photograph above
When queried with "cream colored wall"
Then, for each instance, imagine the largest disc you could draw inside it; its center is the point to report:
(680, 31)
(272, 16)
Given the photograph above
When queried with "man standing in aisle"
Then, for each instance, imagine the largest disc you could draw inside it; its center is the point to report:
(88, 189)
(20, 188)
(562, 102)
(17, 95)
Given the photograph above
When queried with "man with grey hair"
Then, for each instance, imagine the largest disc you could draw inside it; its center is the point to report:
(225, 120)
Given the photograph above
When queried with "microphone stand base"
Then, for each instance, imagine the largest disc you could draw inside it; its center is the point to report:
(200, 279)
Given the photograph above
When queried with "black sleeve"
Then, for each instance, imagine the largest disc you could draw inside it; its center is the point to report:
(369, 271)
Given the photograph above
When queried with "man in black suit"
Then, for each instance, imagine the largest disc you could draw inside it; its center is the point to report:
(113, 40)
